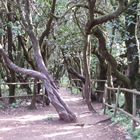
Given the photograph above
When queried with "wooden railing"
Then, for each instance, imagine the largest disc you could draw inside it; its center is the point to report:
(20, 83)
(93, 82)
(134, 93)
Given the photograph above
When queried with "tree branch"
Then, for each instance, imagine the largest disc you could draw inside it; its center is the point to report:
(22, 15)
(75, 73)
(121, 8)
(106, 55)
(26, 54)
(28, 13)
(62, 109)
(48, 25)
(17, 69)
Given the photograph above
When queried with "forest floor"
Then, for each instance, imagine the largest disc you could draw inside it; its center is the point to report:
(44, 124)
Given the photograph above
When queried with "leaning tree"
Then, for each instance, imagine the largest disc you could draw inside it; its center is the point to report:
(24, 11)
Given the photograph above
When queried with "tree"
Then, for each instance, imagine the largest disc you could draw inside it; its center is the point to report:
(74, 34)
(24, 11)
(132, 49)
(92, 27)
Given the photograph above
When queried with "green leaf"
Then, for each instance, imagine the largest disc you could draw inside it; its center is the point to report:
(2, 32)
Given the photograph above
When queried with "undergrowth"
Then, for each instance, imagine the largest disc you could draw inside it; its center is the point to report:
(126, 122)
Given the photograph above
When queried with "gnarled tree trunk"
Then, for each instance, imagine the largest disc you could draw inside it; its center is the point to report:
(131, 43)
(63, 110)
(111, 60)
(86, 71)
(11, 76)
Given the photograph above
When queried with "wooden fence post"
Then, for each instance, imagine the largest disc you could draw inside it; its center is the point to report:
(43, 93)
(33, 101)
(0, 91)
(117, 99)
(105, 98)
(134, 111)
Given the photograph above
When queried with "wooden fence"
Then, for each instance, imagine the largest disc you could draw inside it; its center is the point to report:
(134, 93)
(93, 82)
(20, 83)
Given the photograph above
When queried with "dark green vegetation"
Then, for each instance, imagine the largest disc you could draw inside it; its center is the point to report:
(78, 39)
(126, 123)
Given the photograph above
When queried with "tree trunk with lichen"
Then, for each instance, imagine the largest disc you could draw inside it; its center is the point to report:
(11, 76)
(24, 9)
(132, 49)
(63, 110)
(111, 60)
(86, 71)
(33, 102)
(0, 91)
(131, 43)
(102, 75)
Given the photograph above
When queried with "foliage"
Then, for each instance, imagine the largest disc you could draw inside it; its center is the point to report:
(64, 81)
(136, 134)
(126, 123)
(1, 105)
(14, 105)
(121, 100)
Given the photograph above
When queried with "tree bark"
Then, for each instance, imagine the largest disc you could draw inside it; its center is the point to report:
(86, 71)
(33, 102)
(111, 60)
(11, 76)
(46, 32)
(0, 91)
(131, 43)
(132, 48)
(101, 76)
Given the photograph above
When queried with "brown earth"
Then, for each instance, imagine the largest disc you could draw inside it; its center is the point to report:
(44, 124)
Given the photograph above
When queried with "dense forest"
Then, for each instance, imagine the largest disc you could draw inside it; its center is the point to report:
(77, 39)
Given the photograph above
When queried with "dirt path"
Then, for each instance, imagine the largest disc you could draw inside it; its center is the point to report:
(43, 124)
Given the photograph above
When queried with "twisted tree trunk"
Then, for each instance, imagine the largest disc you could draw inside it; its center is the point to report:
(113, 63)
(63, 111)
(11, 77)
(87, 84)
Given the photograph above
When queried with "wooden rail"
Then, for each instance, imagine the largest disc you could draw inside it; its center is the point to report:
(135, 93)
(20, 83)
(93, 81)
(21, 96)
(33, 96)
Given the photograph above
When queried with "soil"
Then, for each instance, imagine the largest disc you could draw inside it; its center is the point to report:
(44, 123)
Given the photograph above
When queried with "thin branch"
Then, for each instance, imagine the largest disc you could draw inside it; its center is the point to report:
(25, 25)
(26, 54)
(4, 2)
(48, 25)
(91, 5)
(121, 8)
(78, 24)
(76, 74)
(17, 69)
(106, 55)
(28, 13)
